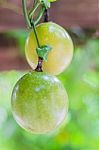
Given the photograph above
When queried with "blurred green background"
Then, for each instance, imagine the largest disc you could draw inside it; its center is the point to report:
(80, 131)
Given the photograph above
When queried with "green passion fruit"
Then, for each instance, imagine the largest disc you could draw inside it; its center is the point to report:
(57, 37)
(39, 102)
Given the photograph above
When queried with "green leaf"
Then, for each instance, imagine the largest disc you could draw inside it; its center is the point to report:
(43, 51)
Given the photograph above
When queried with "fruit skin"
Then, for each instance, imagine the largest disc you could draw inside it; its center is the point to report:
(39, 102)
(62, 48)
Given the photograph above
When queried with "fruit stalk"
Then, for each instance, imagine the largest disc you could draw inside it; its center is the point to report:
(40, 60)
(39, 66)
(34, 29)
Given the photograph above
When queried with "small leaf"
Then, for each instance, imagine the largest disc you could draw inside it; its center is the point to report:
(43, 51)
(47, 3)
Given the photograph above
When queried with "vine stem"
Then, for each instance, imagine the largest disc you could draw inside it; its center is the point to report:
(34, 9)
(25, 13)
(39, 15)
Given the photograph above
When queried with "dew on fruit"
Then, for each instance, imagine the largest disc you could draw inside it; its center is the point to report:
(44, 77)
(39, 88)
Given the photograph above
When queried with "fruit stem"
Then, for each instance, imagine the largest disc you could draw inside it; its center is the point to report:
(40, 60)
(39, 66)
(35, 32)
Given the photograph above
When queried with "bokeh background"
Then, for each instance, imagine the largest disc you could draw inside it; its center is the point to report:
(80, 131)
